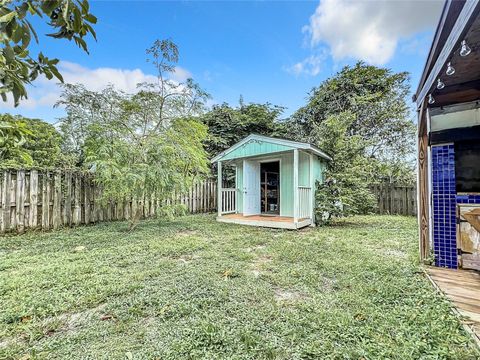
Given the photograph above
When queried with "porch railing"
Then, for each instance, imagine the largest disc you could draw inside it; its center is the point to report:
(229, 201)
(304, 202)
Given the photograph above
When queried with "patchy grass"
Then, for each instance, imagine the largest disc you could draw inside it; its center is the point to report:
(195, 288)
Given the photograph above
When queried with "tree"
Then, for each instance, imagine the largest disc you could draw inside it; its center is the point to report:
(139, 144)
(13, 135)
(228, 125)
(38, 143)
(361, 118)
(69, 19)
(378, 98)
(345, 190)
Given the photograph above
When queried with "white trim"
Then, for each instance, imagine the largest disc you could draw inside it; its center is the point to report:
(312, 187)
(219, 188)
(236, 188)
(295, 185)
(293, 144)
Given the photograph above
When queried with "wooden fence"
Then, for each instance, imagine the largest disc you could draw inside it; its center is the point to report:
(396, 200)
(49, 200)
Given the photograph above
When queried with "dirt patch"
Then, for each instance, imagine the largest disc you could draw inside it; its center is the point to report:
(284, 295)
(395, 253)
(186, 259)
(185, 233)
(74, 321)
(258, 266)
(255, 248)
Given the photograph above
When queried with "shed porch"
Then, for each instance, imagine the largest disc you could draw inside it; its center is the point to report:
(272, 221)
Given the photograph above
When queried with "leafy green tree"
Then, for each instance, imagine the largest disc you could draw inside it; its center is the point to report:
(378, 98)
(346, 187)
(69, 19)
(38, 145)
(138, 144)
(13, 135)
(228, 125)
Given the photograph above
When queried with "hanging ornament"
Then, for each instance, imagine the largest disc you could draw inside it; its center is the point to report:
(440, 84)
(450, 69)
(465, 49)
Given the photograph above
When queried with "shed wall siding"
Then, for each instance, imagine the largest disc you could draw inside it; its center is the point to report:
(303, 169)
(286, 184)
(255, 148)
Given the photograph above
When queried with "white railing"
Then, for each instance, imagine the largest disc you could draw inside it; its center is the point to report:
(229, 201)
(304, 202)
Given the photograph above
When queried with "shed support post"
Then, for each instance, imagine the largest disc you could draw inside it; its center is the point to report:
(219, 187)
(312, 192)
(422, 185)
(295, 186)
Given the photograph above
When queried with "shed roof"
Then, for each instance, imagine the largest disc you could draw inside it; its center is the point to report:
(283, 143)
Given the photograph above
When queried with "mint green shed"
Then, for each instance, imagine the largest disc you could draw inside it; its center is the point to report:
(274, 182)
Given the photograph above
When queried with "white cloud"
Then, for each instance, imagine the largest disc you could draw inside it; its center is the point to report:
(369, 30)
(47, 92)
(309, 66)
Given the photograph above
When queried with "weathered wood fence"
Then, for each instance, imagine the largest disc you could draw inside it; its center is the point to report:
(396, 200)
(49, 200)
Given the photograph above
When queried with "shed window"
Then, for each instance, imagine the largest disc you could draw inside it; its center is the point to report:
(467, 166)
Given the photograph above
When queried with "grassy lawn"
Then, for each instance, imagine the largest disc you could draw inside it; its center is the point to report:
(195, 288)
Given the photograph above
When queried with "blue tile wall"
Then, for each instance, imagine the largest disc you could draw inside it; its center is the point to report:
(444, 206)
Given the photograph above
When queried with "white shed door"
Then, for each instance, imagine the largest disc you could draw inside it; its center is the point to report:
(251, 187)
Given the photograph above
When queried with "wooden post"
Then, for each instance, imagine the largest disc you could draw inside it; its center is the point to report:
(423, 195)
(20, 201)
(33, 199)
(219, 187)
(295, 185)
(7, 178)
(57, 200)
(46, 201)
(86, 201)
(77, 214)
(312, 189)
(67, 209)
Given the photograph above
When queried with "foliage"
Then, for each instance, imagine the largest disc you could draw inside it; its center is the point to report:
(40, 145)
(69, 19)
(13, 135)
(211, 290)
(378, 98)
(228, 125)
(348, 175)
(143, 143)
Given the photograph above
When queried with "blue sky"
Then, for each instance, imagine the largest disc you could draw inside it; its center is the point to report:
(266, 51)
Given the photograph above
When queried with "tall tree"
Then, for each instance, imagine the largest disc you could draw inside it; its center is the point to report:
(378, 99)
(228, 125)
(143, 143)
(69, 19)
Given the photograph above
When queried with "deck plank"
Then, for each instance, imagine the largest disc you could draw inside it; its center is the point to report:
(462, 287)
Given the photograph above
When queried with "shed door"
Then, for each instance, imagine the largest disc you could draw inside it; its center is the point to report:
(251, 187)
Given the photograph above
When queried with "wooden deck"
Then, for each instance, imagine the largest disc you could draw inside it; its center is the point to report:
(462, 287)
(273, 221)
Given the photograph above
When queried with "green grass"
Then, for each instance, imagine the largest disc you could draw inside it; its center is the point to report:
(195, 288)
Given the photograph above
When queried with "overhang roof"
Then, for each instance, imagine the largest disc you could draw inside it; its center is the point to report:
(459, 21)
(292, 144)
